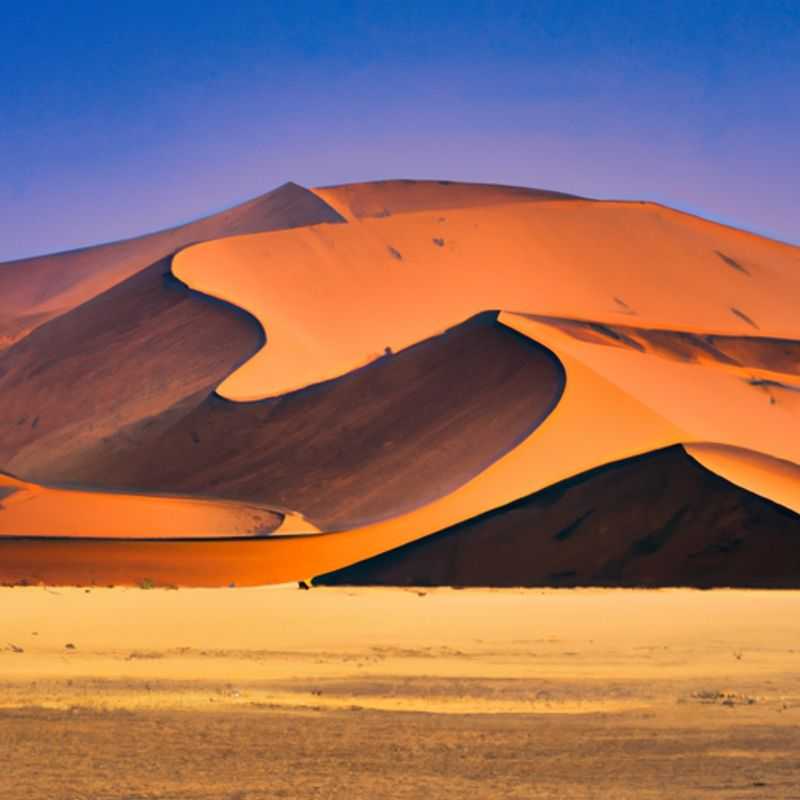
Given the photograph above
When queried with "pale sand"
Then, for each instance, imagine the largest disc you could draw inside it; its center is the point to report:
(276, 692)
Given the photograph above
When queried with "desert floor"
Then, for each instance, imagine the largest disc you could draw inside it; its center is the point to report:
(373, 693)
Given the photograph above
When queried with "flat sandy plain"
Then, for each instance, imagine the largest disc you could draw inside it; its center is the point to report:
(398, 693)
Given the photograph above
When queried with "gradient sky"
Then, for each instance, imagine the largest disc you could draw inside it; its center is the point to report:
(117, 119)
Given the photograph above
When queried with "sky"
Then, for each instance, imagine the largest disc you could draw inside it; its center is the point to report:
(121, 118)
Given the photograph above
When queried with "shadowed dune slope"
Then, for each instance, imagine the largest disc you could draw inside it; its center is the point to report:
(379, 441)
(36, 289)
(655, 520)
(780, 356)
(384, 198)
(134, 351)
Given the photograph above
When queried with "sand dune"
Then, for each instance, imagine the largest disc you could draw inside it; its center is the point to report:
(125, 353)
(668, 330)
(36, 289)
(753, 356)
(29, 510)
(378, 442)
(575, 259)
(135, 351)
(774, 478)
(654, 520)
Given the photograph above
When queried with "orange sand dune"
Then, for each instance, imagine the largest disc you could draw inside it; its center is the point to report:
(375, 443)
(36, 289)
(27, 509)
(605, 262)
(753, 356)
(332, 298)
(567, 442)
(142, 348)
(659, 519)
(703, 401)
(705, 316)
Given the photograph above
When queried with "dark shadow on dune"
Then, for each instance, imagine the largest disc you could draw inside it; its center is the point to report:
(140, 348)
(7, 491)
(733, 263)
(400, 432)
(739, 313)
(758, 352)
(659, 519)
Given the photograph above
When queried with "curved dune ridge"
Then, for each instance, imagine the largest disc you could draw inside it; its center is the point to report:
(137, 350)
(385, 198)
(380, 441)
(37, 289)
(373, 408)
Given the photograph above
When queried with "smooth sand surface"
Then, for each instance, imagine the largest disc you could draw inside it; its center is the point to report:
(30, 510)
(277, 692)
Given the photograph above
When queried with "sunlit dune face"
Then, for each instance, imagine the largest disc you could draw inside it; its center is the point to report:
(645, 329)
(599, 261)
(30, 510)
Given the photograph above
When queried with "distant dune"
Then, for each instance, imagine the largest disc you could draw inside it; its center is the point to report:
(456, 383)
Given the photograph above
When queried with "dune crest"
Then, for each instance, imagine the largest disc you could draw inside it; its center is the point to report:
(355, 201)
(775, 478)
(332, 298)
(36, 289)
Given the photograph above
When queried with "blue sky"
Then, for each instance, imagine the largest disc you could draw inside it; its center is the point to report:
(117, 119)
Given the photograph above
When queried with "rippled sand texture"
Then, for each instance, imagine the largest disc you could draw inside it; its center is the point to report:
(386, 406)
